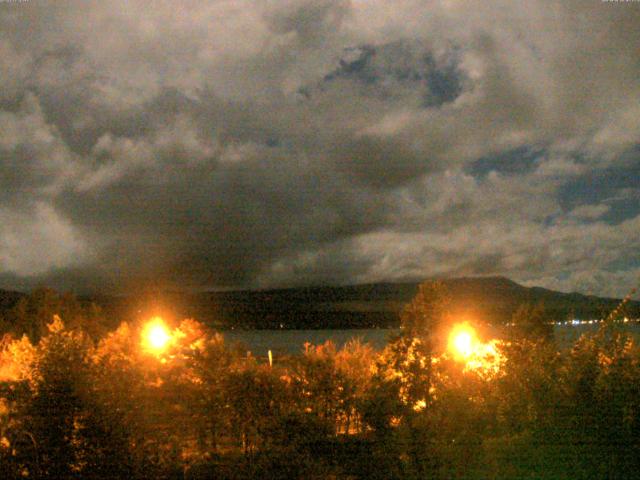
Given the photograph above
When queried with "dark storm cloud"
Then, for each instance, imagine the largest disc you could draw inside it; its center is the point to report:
(279, 143)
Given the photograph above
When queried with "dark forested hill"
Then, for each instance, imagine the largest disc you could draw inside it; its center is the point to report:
(489, 299)
(8, 299)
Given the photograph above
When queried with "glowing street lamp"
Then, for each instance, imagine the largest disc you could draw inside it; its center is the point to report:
(155, 335)
(462, 341)
(483, 358)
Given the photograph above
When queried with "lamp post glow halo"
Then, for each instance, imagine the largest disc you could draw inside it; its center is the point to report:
(155, 336)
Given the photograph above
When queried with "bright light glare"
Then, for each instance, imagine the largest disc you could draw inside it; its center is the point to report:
(158, 336)
(462, 340)
(482, 358)
(155, 335)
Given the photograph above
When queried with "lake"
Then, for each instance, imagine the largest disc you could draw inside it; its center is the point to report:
(292, 341)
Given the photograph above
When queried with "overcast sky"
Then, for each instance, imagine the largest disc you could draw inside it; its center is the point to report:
(297, 142)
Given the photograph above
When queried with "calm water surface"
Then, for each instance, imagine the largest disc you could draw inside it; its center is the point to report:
(292, 341)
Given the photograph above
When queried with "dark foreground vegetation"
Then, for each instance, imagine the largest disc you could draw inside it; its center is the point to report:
(77, 401)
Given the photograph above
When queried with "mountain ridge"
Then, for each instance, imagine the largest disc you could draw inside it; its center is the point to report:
(487, 299)
(491, 299)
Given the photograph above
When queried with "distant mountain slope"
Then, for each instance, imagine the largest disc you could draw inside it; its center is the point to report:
(489, 299)
(8, 298)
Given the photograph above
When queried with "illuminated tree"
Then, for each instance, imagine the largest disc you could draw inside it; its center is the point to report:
(321, 387)
(427, 310)
(56, 407)
(210, 365)
(18, 447)
(32, 314)
(355, 363)
(406, 361)
(254, 397)
(148, 388)
(531, 322)
(602, 381)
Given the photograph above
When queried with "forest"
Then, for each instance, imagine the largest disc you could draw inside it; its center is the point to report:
(171, 400)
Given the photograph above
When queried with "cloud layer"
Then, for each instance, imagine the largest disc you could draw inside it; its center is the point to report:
(276, 143)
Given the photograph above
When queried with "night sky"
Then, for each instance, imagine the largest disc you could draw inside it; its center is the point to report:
(252, 144)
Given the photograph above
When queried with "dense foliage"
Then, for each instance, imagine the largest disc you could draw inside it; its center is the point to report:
(76, 406)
